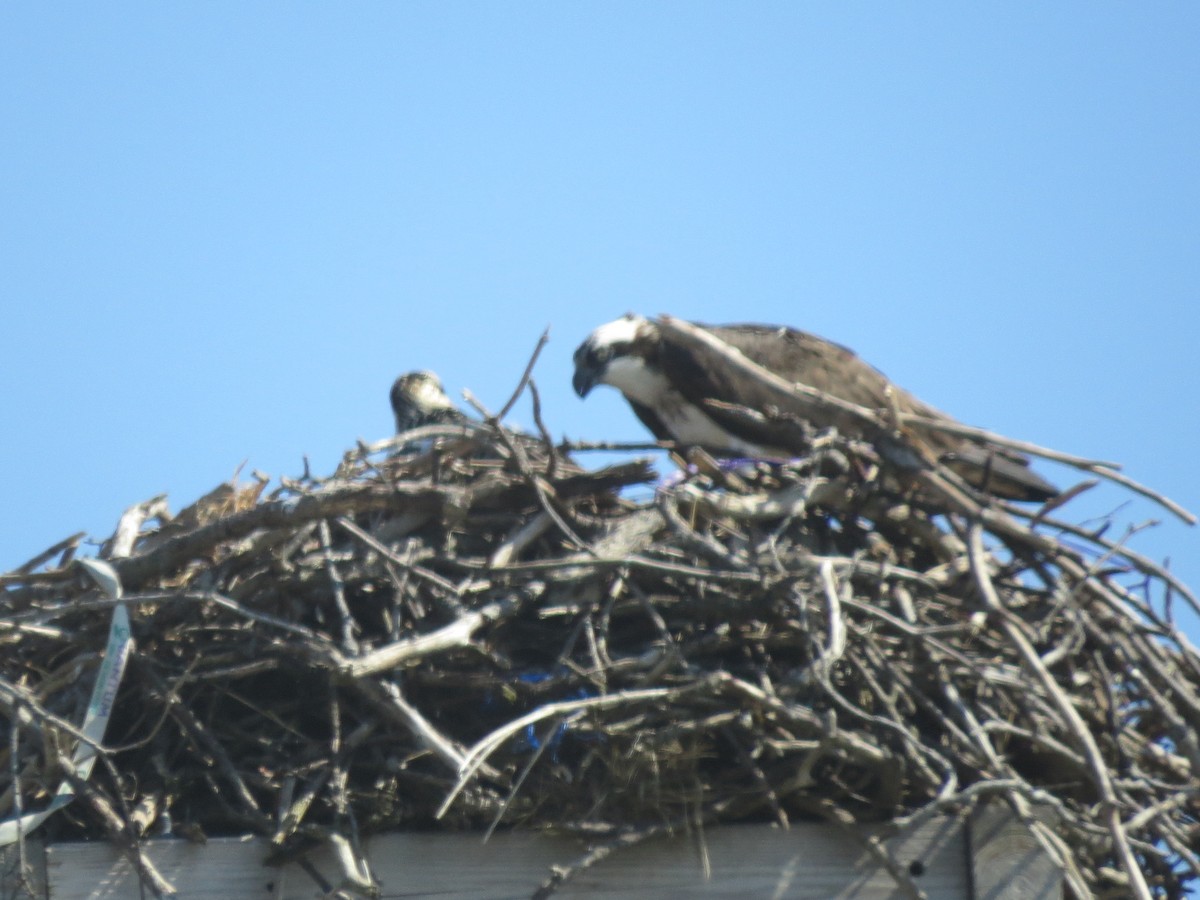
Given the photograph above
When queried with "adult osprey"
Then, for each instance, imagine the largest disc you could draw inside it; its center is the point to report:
(684, 391)
(419, 399)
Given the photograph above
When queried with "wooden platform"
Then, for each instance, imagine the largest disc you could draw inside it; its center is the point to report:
(992, 858)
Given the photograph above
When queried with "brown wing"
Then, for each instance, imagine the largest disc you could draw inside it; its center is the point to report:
(795, 356)
(798, 356)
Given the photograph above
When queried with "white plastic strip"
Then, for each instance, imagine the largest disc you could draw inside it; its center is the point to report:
(104, 695)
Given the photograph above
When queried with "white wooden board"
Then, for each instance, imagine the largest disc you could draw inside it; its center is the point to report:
(812, 862)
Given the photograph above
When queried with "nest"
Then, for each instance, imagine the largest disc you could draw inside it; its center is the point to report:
(463, 627)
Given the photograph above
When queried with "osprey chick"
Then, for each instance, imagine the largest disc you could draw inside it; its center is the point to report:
(419, 399)
(676, 391)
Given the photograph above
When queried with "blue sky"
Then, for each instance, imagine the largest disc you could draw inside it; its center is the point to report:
(226, 226)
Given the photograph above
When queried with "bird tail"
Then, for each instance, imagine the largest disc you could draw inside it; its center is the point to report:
(999, 474)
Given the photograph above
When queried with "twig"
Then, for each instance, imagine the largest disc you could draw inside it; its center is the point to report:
(66, 544)
(459, 633)
(533, 358)
(488, 745)
(349, 644)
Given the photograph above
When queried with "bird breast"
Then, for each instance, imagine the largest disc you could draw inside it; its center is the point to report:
(687, 423)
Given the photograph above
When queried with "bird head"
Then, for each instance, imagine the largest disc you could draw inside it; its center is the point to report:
(419, 399)
(613, 353)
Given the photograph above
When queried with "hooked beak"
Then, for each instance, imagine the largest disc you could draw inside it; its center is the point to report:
(584, 381)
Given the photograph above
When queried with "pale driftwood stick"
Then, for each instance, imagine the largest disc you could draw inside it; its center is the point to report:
(478, 754)
(123, 539)
(630, 536)
(788, 502)
(466, 429)
(1144, 817)
(597, 482)
(292, 810)
(520, 539)
(459, 633)
(838, 494)
(927, 635)
(835, 624)
(945, 486)
(1166, 667)
(386, 697)
(1069, 560)
(1183, 845)
(32, 629)
(476, 404)
(19, 580)
(974, 729)
(849, 566)
(434, 740)
(356, 871)
(1067, 709)
(146, 813)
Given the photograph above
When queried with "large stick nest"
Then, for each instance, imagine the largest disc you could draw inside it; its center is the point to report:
(462, 627)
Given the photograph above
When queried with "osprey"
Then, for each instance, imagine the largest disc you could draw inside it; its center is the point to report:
(684, 392)
(419, 399)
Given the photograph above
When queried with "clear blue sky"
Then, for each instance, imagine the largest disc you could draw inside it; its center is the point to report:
(227, 226)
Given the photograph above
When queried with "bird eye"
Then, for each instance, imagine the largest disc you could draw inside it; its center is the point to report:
(603, 353)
